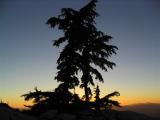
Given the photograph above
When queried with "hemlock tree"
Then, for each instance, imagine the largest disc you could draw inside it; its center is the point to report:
(85, 48)
(105, 102)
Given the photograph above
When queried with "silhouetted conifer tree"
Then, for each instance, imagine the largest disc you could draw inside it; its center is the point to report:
(105, 102)
(97, 98)
(85, 46)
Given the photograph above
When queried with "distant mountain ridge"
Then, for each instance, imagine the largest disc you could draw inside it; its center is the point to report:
(150, 109)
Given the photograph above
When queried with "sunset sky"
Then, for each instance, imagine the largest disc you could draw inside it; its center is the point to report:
(28, 59)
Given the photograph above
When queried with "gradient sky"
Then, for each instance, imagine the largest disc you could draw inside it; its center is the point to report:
(27, 58)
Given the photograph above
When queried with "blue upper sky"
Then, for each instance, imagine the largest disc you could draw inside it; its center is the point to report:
(27, 58)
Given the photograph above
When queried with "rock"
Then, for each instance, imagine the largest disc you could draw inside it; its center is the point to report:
(86, 115)
(99, 118)
(7, 113)
(66, 116)
(49, 115)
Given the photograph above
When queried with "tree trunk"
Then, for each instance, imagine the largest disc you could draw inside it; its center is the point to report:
(86, 92)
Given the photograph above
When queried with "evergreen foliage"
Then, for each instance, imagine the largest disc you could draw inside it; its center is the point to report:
(85, 46)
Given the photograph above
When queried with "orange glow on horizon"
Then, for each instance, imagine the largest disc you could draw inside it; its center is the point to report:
(19, 103)
(126, 98)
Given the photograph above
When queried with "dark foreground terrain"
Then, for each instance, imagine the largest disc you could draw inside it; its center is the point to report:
(7, 113)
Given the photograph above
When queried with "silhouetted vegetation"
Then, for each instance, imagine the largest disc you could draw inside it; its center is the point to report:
(105, 102)
(43, 101)
(86, 47)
